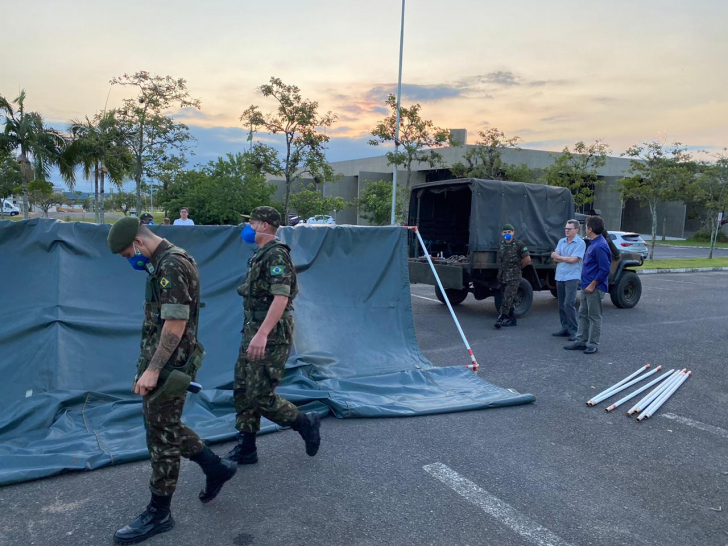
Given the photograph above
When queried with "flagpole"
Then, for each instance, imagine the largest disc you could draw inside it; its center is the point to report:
(396, 129)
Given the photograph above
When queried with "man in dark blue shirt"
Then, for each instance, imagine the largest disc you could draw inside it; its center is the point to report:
(594, 284)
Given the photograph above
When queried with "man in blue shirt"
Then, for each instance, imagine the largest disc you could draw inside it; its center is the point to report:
(569, 257)
(594, 284)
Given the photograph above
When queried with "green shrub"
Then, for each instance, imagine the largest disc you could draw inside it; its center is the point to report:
(704, 237)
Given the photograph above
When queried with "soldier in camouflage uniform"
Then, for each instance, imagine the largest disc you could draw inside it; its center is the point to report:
(512, 257)
(268, 292)
(170, 358)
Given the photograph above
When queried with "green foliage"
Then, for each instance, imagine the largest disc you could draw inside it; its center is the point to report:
(659, 174)
(707, 236)
(710, 189)
(577, 170)
(42, 195)
(38, 146)
(310, 202)
(484, 159)
(10, 177)
(299, 121)
(123, 201)
(375, 202)
(218, 192)
(418, 139)
(151, 135)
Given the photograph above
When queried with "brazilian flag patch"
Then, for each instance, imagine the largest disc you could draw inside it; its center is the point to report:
(164, 282)
(277, 270)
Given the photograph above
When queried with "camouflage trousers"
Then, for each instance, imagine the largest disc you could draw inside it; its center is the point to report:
(167, 439)
(510, 288)
(254, 386)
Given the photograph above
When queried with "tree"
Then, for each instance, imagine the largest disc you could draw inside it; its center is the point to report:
(310, 202)
(99, 147)
(484, 159)
(418, 137)
(150, 134)
(659, 173)
(375, 201)
(712, 193)
(577, 170)
(123, 201)
(42, 195)
(39, 146)
(10, 177)
(220, 191)
(297, 119)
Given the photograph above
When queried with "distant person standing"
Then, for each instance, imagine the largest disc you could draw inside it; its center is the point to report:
(594, 284)
(569, 258)
(184, 219)
(513, 256)
(147, 219)
(165, 222)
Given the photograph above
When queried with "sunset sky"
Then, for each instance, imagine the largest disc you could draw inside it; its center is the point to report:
(552, 72)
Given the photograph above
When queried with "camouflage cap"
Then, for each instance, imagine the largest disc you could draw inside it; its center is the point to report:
(265, 214)
(508, 227)
(122, 233)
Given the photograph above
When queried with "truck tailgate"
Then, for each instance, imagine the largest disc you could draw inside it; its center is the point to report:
(451, 276)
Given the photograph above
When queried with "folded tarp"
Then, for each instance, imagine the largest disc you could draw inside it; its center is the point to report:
(72, 312)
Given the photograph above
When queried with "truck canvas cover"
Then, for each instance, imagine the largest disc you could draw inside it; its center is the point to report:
(537, 212)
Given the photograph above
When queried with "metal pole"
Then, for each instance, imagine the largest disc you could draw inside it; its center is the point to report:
(642, 404)
(396, 128)
(474, 363)
(611, 393)
(667, 393)
(641, 389)
(630, 376)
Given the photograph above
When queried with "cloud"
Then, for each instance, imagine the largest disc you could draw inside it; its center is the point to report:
(557, 119)
(413, 92)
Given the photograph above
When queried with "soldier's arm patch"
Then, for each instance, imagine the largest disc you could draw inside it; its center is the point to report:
(277, 270)
(164, 282)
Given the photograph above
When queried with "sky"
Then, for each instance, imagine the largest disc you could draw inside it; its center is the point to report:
(553, 73)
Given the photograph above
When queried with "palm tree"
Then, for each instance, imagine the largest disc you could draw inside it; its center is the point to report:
(97, 147)
(39, 146)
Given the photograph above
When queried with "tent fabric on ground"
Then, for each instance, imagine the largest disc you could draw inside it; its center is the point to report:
(72, 313)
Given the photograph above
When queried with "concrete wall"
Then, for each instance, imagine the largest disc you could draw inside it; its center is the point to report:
(346, 188)
(609, 202)
(670, 217)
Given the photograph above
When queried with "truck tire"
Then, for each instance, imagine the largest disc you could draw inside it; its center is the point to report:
(455, 295)
(523, 301)
(627, 292)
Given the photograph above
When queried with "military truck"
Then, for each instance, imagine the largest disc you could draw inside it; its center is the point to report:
(461, 222)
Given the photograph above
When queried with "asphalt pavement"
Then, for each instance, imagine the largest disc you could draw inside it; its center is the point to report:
(675, 252)
(554, 472)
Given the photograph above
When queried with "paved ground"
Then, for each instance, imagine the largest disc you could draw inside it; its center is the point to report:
(550, 473)
(670, 252)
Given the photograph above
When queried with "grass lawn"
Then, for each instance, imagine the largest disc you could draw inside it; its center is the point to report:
(688, 243)
(692, 262)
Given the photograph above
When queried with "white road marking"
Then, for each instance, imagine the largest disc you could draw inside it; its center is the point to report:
(493, 506)
(424, 298)
(697, 424)
(684, 282)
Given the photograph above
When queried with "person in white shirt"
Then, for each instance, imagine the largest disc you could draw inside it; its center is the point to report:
(569, 257)
(183, 219)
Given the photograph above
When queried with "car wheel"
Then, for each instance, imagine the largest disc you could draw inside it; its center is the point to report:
(521, 303)
(455, 295)
(627, 292)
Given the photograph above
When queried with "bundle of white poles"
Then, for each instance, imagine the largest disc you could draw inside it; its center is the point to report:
(667, 384)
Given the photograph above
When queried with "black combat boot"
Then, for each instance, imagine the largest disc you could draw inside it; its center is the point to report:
(511, 319)
(217, 471)
(308, 425)
(156, 519)
(499, 321)
(245, 452)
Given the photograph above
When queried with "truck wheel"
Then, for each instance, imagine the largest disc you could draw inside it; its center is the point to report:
(455, 295)
(627, 292)
(522, 302)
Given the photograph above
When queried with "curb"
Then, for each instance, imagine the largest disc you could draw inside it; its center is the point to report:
(697, 247)
(680, 270)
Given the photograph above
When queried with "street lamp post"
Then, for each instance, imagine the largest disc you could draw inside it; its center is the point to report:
(396, 129)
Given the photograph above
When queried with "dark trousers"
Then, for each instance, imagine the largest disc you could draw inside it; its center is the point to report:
(566, 291)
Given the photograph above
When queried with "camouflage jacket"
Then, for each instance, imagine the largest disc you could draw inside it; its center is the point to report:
(271, 273)
(172, 292)
(510, 256)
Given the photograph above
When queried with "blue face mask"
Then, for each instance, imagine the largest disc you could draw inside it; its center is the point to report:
(248, 234)
(138, 261)
(507, 237)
